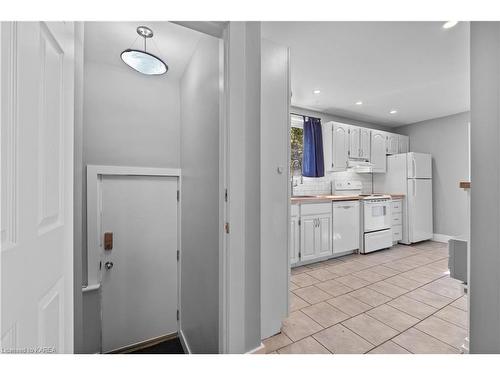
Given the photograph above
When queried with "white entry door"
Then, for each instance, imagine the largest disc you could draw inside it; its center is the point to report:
(37, 97)
(139, 273)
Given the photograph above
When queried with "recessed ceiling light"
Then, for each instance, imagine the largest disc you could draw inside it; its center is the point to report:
(359, 102)
(316, 92)
(449, 24)
(393, 111)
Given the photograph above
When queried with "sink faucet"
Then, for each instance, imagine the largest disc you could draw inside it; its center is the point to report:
(296, 166)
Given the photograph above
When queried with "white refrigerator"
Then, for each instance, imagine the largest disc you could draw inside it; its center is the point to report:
(410, 174)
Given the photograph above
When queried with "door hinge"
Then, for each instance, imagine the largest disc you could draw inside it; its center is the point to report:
(178, 255)
(178, 195)
(225, 195)
(226, 227)
(177, 314)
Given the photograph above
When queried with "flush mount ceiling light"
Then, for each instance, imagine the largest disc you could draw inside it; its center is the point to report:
(393, 111)
(449, 24)
(317, 92)
(359, 102)
(142, 61)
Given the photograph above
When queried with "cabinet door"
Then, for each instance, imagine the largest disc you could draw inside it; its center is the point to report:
(378, 150)
(294, 240)
(404, 144)
(323, 236)
(345, 226)
(365, 143)
(340, 147)
(354, 142)
(307, 238)
(327, 133)
(392, 144)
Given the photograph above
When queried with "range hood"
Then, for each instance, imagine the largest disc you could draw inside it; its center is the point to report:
(360, 166)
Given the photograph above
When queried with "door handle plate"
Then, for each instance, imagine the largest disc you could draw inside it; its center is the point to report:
(108, 241)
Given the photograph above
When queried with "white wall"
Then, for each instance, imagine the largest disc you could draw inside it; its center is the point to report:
(199, 90)
(274, 187)
(485, 188)
(128, 119)
(446, 138)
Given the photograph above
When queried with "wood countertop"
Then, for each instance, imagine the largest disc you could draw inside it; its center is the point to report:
(323, 198)
(335, 198)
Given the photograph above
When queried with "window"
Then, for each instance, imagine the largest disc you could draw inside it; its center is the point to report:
(296, 145)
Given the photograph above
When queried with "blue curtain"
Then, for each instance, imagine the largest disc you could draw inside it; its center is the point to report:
(313, 163)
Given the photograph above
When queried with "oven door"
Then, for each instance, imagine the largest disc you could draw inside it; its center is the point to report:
(377, 215)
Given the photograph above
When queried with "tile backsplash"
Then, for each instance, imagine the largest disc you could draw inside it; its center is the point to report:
(325, 185)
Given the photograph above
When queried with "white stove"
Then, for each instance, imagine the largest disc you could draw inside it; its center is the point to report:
(376, 223)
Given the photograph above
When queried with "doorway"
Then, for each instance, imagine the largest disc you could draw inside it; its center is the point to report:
(140, 230)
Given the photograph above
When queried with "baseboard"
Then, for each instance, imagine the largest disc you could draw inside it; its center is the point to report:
(441, 237)
(184, 342)
(261, 349)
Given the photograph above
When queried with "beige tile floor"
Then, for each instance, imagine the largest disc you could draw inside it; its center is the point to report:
(399, 300)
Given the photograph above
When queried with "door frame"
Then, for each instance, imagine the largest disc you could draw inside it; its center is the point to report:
(94, 217)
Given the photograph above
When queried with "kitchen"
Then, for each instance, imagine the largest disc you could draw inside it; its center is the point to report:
(376, 157)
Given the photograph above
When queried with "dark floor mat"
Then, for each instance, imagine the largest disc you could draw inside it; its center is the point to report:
(166, 347)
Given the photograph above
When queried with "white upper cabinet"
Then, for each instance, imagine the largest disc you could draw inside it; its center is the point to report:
(378, 151)
(340, 142)
(359, 143)
(354, 142)
(404, 144)
(365, 142)
(392, 144)
(327, 134)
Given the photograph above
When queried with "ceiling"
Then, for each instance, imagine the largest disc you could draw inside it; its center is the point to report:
(417, 68)
(174, 44)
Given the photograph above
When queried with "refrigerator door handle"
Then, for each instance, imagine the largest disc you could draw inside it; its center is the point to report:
(414, 187)
(413, 167)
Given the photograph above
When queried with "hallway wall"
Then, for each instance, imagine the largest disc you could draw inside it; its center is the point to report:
(199, 93)
(129, 119)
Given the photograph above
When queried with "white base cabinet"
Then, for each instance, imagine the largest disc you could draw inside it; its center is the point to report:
(315, 231)
(345, 226)
(321, 230)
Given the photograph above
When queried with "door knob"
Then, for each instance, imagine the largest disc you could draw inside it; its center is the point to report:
(108, 265)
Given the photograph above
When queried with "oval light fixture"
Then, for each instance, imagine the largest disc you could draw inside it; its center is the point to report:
(142, 61)
(393, 111)
(449, 24)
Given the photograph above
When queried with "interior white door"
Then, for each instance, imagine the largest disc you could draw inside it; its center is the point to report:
(37, 79)
(139, 274)
(275, 185)
(420, 209)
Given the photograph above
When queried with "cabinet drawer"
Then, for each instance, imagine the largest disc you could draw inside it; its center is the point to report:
(396, 206)
(397, 233)
(396, 219)
(315, 208)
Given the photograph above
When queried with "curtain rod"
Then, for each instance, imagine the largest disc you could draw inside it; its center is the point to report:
(297, 114)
